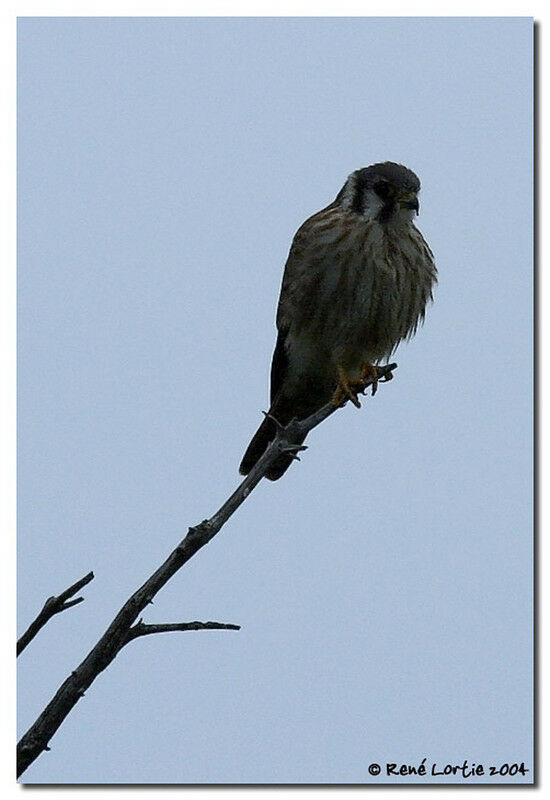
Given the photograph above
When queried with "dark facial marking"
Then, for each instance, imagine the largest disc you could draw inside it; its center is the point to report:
(384, 190)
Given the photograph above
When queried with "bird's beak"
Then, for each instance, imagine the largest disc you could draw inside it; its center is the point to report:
(409, 201)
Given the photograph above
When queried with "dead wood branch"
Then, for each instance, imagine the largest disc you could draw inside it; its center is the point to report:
(37, 738)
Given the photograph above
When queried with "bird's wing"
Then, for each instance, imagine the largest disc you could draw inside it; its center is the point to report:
(279, 364)
(303, 239)
(293, 274)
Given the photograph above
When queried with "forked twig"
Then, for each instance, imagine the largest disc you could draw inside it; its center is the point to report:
(52, 606)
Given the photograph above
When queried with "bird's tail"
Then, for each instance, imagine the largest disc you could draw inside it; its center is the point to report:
(261, 439)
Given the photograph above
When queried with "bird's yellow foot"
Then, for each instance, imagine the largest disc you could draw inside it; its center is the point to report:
(370, 373)
(347, 389)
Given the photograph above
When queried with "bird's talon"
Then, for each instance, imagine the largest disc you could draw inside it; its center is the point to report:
(347, 389)
(369, 374)
(344, 393)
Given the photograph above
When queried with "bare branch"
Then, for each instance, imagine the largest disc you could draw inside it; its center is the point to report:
(52, 606)
(141, 629)
(37, 738)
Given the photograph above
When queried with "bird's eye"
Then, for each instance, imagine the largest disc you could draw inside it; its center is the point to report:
(383, 189)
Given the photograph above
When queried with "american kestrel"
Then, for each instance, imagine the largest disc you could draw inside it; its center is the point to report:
(356, 282)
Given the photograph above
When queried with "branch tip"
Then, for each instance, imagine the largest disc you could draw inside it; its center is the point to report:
(53, 605)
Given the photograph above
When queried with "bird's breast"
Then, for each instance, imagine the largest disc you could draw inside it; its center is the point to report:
(359, 296)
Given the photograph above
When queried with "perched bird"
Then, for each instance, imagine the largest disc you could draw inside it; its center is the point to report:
(356, 282)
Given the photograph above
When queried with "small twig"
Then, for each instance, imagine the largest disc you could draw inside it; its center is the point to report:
(142, 629)
(52, 606)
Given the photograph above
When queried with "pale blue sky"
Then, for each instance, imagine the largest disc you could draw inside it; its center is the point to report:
(384, 584)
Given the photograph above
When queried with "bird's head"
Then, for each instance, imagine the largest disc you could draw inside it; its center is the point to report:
(386, 192)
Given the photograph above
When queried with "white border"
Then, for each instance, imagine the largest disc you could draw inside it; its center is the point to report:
(7, 317)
